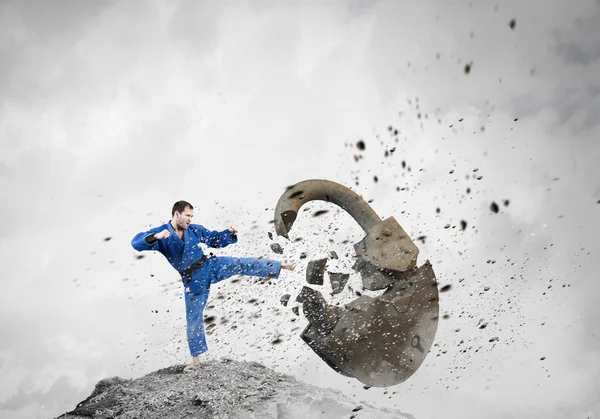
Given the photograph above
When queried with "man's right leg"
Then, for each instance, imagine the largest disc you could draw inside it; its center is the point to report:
(225, 267)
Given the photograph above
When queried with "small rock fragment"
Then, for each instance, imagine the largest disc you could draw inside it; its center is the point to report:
(285, 299)
(276, 247)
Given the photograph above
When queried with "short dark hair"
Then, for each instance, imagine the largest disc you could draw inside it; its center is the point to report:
(180, 206)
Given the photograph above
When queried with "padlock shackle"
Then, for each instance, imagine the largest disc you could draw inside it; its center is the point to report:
(299, 194)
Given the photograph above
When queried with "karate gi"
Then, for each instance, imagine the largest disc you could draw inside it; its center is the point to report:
(181, 254)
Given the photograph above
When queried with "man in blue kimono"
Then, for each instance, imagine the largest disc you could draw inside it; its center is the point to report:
(179, 241)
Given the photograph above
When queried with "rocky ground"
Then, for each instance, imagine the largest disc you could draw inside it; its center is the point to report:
(220, 389)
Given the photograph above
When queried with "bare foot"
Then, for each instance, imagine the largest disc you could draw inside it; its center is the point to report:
(290, 266)
(192, 366)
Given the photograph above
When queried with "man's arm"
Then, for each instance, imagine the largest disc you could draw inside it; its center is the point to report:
(214, 238)
(148, 240)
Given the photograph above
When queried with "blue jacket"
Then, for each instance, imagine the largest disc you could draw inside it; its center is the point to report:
(182, 253)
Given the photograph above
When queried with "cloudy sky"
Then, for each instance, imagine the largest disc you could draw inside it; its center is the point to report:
(111, 111)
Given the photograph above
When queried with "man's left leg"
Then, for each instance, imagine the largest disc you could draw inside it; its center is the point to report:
(226, 267)
(194, 315)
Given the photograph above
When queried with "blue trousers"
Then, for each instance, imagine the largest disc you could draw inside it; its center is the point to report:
(216, 269)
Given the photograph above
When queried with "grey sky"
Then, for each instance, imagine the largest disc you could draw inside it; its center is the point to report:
(111, 111)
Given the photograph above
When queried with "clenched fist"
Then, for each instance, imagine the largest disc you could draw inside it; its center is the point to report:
(162, 235)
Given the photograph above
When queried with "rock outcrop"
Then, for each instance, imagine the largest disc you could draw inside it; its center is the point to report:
(220, 389)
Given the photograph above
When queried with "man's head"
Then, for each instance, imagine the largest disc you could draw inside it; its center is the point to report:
(182, 213)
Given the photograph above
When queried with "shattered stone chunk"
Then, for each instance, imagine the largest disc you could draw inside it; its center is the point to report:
(276, 247)
(307, 294)
(296, 310)
(338, 281)
(315, 271)
(303, 255)
(285, 299)
(304, 294)
(333, 255)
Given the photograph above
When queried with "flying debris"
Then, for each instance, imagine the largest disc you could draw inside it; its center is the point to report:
(315, 271)
(338, 281)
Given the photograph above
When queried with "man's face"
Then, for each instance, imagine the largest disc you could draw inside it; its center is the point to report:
(183, 219)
